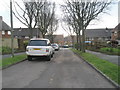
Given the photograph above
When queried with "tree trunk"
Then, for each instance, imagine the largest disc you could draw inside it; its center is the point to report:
(72, 37)
(43, 35)
(80, 46)
(77, 42)
(83, 40)
(31, 32)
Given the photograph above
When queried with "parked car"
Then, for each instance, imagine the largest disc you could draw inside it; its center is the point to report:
(55, 46)
(39, 47)
(65, 46)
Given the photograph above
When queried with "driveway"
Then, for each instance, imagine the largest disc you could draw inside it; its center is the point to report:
(111, 58)
(65, 70)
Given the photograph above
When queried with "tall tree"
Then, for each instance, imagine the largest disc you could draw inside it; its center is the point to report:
(45, 17)
(30, 13)
(52, 28)
(83, 12)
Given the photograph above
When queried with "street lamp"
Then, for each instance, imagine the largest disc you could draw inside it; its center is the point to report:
(11, 19)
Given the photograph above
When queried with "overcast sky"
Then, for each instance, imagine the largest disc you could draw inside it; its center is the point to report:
(105, 20)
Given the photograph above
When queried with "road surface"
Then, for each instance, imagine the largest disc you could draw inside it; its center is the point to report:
(65, 70)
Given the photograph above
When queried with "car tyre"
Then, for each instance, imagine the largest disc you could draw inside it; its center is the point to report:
(29, 58)
(52, 55)
(49, 58)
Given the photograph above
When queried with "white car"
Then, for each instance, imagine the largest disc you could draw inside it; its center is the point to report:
(39, 47)
(55, 46)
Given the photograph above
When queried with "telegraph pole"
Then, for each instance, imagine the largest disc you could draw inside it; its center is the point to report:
(11, 19)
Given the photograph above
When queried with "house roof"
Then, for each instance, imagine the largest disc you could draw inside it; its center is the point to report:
(3, 25)
(25, 32)
(117, 27)
(98, 32)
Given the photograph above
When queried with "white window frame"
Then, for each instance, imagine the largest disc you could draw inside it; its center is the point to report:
(3, 32)
(9, 32)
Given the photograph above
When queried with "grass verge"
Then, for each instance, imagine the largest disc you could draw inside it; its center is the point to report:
(12, 60)
(106, 50)
(111, 51)
(108, 68)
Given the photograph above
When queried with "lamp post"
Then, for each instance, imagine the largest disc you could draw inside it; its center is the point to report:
(11, 19)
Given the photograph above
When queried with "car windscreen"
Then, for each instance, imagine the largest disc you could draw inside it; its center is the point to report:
(38, 43)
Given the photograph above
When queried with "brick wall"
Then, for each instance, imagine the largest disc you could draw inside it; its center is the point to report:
(6, 35)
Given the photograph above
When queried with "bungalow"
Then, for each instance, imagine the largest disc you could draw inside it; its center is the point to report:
(101, 35)
(23, 34)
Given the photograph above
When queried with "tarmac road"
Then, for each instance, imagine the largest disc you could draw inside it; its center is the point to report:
(65, 70)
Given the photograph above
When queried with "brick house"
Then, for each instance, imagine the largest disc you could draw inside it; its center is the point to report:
(68, 40)
(116, 33)
(59, 39)
(5, 33)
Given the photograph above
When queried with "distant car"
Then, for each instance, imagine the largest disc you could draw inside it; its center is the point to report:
(55, 46)
(38, 48)
(65, 46)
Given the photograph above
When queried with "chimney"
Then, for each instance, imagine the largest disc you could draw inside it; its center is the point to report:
(1, 22)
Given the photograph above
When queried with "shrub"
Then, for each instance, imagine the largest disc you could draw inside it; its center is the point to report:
(6, 50)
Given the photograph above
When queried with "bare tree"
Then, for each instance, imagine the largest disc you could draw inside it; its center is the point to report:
(45, 17)
(30, 13)
(68, 28)
(83, 12)
(52, 28)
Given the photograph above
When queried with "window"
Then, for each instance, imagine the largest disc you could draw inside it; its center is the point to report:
(38, 43)
(3, 32)
(9, 32)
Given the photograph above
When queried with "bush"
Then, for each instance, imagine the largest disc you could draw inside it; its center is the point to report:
(25, 43)
(76, 45)
(6, 50)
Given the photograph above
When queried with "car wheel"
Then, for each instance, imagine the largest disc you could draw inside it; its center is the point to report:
(49, 58)
(52, 55)
(29, 58)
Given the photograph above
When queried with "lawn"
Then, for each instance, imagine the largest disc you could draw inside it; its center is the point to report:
(112, 51)
(108, 68)
(11, 60)
(106, 50)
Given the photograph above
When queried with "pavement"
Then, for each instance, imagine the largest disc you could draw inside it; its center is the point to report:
(111, 58)
(9, 55)
(65, 70)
